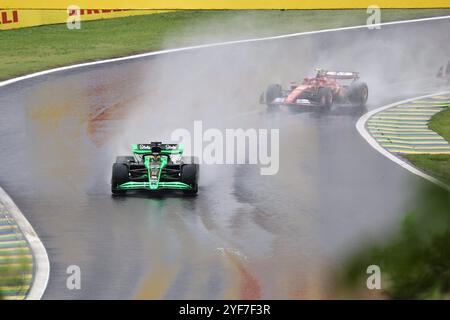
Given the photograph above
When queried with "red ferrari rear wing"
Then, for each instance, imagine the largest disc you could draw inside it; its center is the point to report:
(341, 74)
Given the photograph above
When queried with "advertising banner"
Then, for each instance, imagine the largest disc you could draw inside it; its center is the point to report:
(221, 4)
(18, 18)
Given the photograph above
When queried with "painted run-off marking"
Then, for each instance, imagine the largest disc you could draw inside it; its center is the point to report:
(403, 129)
(362, 127)
(16, 260)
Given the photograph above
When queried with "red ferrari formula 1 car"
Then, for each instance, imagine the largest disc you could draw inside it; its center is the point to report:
(323, 90)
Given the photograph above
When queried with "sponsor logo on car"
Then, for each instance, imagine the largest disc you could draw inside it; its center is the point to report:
(145, 147)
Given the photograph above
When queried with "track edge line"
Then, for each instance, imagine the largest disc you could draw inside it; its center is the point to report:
(361, 127)
(41, 261)
(210, 45)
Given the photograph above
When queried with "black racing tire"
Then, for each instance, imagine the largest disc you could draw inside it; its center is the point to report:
(190, 160)
(325, 98)
(189, 175)
(358, 93)
(120, 174)
(193, 191)
(125, 159)
(273, 91)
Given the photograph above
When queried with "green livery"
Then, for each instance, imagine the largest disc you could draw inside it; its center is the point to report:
(155, 166)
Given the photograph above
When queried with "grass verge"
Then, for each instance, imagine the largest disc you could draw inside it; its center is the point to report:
(34, 49)
(414, 263)
(15, 278)
(438, 165)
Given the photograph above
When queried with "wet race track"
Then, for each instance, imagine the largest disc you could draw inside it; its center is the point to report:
(245, 235)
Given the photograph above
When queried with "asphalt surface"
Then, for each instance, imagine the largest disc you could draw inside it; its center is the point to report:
(245, 235)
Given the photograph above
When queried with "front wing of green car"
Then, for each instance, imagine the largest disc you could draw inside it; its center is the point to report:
(160, 186)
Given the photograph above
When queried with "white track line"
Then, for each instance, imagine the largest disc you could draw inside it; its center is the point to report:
(155, 53)
(42, 264)
(361, 127)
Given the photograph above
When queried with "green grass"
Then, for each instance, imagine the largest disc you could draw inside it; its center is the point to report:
(437, 165)
(15, 276)
(414, 263)
(29, 50)
(440, 123)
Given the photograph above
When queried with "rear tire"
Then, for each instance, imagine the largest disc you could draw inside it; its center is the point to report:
(358, 93)
(125, 159)
(190, 160)
(325, 98)
(273, 91)
(120, 175)
(189, 175)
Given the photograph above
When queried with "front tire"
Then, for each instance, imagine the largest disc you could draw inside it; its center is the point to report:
(189, 175)
(193, 191)
(273, 91)
(120, 175)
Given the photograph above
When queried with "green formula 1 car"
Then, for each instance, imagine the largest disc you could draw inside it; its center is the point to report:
(155, 166)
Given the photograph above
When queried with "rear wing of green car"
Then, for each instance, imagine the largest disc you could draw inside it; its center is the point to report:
(163, 148)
